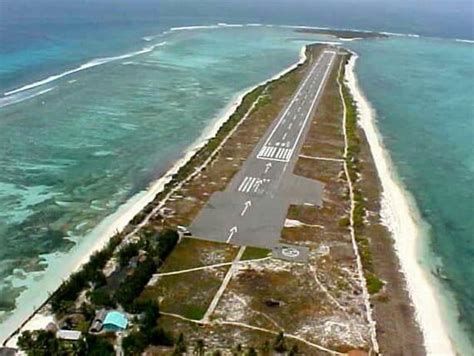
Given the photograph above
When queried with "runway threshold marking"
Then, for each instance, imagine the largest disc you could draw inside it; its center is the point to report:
(275, 153)
(251, 184)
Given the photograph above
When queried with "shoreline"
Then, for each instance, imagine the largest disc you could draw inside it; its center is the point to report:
(119, 220)
(398, 206)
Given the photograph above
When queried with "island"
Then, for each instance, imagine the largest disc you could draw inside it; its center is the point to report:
(269, 240)
(343, 34)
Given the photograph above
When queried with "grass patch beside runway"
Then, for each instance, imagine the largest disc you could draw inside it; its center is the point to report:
(192, 253)
(252, 253)
(187, 294)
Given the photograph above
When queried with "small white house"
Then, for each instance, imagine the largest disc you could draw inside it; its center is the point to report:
(70, 335)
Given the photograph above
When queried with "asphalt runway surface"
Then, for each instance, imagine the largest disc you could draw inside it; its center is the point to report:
(251, 211)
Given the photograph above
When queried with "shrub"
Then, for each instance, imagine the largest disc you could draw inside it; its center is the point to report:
(134, 284)
(158, 336)
(101, 297)
(127, 252)
(279, 343)
(98, 346)
(134, 343)
(374, 284)
(166, 243)
(40, 342)
(150, 314)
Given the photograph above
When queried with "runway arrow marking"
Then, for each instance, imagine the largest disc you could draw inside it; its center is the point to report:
(248, 203)
(257, 185)
(267, 167)
(232, 231)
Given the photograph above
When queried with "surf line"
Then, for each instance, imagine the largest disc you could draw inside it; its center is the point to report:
(88, 65)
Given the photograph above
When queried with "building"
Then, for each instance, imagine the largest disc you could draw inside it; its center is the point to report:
(70, 335)
(98, 321)
(115, 321)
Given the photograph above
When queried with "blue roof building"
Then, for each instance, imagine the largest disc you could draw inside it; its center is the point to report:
(115, 321)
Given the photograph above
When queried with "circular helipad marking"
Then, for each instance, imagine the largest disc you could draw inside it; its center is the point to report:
(290, 252)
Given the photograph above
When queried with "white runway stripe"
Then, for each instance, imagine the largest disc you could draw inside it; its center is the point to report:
(279, 153)
(248, 185)
(242, 184)
(253, 185)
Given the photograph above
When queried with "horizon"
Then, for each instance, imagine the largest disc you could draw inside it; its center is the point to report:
(434, 18)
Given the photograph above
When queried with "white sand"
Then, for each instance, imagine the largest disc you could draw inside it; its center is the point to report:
(60, 267)
(39, 321)
(402, 218)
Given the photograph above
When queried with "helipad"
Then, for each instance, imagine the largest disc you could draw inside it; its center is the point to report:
(292, 253)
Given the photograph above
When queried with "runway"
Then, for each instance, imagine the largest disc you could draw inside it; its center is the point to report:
(252, 209)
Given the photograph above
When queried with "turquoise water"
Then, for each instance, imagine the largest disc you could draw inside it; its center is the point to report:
(71, 156)
(423, 93)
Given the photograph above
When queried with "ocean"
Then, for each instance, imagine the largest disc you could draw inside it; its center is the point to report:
(100, 100)
(422, 91)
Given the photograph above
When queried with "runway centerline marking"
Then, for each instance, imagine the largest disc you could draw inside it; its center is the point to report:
(314, 99)
(290, 105)
(275, 153)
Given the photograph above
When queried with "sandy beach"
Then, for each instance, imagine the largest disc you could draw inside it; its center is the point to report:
(61, 266)
(403, 220)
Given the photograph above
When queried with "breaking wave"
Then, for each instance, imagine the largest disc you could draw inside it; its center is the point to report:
(88, 65)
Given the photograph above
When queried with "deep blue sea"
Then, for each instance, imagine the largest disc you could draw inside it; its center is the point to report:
(98, 99)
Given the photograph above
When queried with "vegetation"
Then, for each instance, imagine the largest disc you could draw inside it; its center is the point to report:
(374, 284)
(134, 343)
(101, 298)
(90, 274)
(279, 343)
(180, 347)
(45, 343)
(148, 332)
(199, 347)
(134, 283)
(252, 253)
(127, 252)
